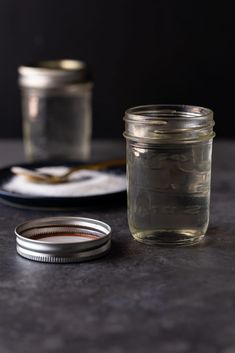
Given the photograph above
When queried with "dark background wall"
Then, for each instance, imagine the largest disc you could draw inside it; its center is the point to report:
(140, 52)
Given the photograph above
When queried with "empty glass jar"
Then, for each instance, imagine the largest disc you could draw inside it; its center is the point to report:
(56, 109)
(169, 171)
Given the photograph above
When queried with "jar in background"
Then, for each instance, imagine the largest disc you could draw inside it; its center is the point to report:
(169, 151)
(56, 109)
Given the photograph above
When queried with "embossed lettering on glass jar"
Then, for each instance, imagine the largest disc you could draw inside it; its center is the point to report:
(169, 151)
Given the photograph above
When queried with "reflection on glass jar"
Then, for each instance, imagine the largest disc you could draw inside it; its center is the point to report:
(56, 109)
(169, 168)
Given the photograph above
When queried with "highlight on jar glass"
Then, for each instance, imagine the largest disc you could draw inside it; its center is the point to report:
(56, 109)
(169, 149)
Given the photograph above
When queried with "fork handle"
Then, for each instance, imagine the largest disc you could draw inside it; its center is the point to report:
(96, 166)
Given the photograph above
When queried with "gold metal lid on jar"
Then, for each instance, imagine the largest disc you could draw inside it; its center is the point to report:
(53, 73)
(63, 239)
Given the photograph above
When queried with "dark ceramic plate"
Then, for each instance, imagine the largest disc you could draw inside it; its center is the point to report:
(24, 200)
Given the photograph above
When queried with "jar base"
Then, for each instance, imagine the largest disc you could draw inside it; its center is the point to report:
(169, 238)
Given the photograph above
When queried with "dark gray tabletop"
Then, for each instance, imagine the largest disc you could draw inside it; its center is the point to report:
(136, 299)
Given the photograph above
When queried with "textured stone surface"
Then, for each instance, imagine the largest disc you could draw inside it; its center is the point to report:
(136, 299)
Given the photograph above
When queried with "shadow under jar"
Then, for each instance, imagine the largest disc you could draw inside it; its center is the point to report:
(56, 108)
(169, 150)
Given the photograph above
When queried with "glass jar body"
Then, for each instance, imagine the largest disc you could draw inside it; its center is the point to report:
(168, 191)
(57, 123)
(169, 151)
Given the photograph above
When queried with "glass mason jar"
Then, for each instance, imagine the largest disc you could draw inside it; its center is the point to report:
(169, 151)
(56, 109)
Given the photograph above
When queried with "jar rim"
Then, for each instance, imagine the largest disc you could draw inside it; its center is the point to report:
(158, 111)
(169, 123)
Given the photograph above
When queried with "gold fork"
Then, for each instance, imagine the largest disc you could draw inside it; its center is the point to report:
(40, 177)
